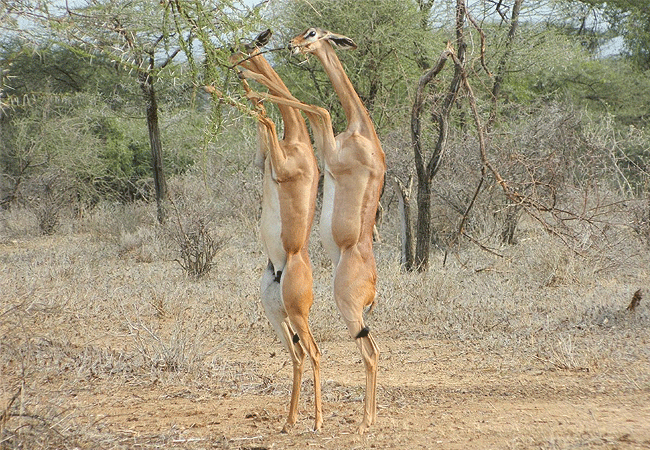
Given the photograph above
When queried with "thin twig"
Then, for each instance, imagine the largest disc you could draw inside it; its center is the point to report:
(4, 417)
(482, 34)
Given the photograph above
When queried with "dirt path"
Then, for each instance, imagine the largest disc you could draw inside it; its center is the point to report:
(431, 395)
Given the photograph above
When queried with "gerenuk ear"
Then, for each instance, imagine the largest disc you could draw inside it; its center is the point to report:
(340, 41)
(263, 38)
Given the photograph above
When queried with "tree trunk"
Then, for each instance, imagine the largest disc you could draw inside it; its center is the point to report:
(510, 224)
(423, 245)
(146, 80)
(146, 84)
(423, 232)
(404, 200)
(426, 173)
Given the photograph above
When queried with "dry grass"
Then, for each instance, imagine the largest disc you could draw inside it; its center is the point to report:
(105, 304)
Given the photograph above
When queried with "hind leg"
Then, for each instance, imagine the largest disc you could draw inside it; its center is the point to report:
(297, 296)
(354, 289)
(275, 312)
(370, 354)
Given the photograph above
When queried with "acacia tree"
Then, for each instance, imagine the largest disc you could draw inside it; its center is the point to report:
(142, 39)
(133, 35)
(629, 19)
(136, 35)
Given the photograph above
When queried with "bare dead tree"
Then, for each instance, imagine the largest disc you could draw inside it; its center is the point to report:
(426, 169)
(536, 195)
(542, 208)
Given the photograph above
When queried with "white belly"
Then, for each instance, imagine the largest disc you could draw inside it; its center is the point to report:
(326, 219)
(270, 224)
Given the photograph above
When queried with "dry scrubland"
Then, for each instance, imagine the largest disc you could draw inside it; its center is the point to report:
(106, 344)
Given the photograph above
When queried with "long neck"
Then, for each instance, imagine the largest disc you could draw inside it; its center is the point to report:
(355, 112)
(294, 124)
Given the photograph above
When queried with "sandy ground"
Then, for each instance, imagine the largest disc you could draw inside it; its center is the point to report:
(431, 395)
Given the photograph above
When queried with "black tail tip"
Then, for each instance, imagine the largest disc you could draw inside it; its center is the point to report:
(296, 338)
(365, 331)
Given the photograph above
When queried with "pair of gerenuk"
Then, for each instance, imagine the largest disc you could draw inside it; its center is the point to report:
(354, 168)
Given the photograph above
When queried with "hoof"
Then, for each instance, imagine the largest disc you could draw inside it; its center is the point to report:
(362, 428)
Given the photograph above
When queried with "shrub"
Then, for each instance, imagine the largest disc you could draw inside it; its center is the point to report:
(197, 248)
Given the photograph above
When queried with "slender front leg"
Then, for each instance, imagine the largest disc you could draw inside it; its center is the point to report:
(319, 118)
